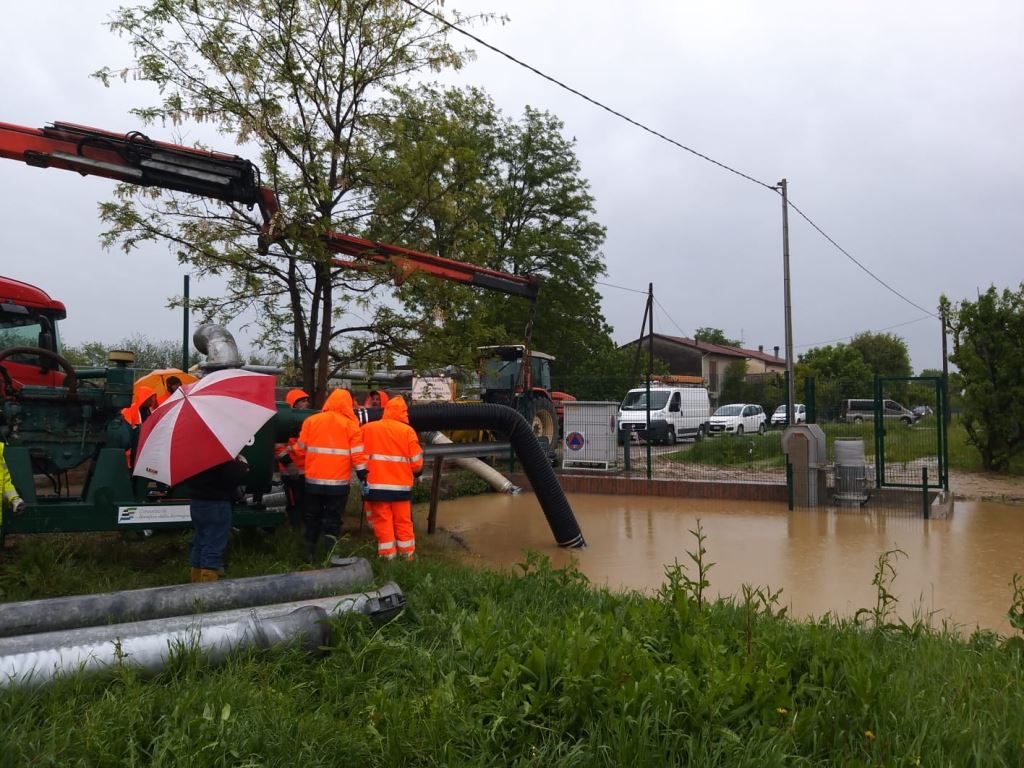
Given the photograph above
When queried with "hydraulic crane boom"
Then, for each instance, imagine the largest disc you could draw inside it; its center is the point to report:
(136, 159)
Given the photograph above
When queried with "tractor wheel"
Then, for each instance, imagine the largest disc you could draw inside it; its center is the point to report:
(540, 413)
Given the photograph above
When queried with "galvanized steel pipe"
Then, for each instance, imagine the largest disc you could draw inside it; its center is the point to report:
(37, 659)
(481, 469)
(139, 604)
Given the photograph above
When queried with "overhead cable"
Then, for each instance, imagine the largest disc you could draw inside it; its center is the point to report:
(455, 28)
(585, 97)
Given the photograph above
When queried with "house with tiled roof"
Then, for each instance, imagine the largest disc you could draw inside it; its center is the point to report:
(689, 357)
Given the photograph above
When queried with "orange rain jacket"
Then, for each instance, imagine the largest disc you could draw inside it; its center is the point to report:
(287, 461)
(131, 414)
(394, 454)
(331, 444)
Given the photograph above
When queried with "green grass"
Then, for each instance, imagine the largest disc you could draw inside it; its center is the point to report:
(903, 444)
(730, 450)
(532, 668)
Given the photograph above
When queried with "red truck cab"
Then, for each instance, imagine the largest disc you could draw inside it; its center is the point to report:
(28, 318)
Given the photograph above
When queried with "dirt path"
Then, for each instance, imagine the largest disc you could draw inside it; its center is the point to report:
(987, 486)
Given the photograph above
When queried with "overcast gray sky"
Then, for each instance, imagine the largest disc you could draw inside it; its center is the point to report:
(896, 124)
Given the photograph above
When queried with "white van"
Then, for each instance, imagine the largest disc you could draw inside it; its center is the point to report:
(676, 412)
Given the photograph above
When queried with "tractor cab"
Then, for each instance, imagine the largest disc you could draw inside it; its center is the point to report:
(504, 380)
(501, 369)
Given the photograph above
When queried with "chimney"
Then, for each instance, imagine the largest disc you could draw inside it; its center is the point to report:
(776, 350)
(760, 347)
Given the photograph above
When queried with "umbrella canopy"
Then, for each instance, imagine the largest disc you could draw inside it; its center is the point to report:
(204, 424)
(157, 380)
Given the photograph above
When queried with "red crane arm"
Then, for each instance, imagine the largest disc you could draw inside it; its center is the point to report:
(404, 262)
(137, 159)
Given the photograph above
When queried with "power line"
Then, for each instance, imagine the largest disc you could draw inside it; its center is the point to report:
(929, 316)
(620, 287)
(663, 137)
(662, 308)
(848, 255)
(584, 96)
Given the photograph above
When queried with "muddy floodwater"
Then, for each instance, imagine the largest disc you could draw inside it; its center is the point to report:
(958, 570)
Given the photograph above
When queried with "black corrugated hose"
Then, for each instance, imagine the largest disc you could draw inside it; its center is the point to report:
(442, 416)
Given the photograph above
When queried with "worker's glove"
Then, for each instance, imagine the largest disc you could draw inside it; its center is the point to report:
(285, 458)
(364, 487)
(18, 507)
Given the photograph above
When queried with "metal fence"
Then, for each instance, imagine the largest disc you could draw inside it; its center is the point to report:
(900, 447)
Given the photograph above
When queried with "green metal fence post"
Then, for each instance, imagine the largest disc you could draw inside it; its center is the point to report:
(810, 400)
(944, 427)
(789, 485)
(924, 492)
(879, 435)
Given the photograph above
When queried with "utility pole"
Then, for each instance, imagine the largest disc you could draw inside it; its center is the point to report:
(184, 330)
(790, 384)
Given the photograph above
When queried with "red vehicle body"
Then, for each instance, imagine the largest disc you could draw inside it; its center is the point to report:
(28, 318)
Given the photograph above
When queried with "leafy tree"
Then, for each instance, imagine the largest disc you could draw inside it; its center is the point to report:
(839, 372)
(714, 336)
(885, 353)
(987, 350)
(504, 194)
(149, 354)
(303, 82)
(734, 383)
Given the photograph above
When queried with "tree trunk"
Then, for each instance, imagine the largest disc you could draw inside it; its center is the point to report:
(324, 361)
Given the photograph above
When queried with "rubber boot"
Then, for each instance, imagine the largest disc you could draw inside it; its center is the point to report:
(206, 574)
(310, 550)
(195, 576)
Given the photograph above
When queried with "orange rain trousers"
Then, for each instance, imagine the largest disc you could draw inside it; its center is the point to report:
(392, 525)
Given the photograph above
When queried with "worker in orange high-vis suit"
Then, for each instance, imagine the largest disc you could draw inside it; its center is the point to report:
(143, 404)
(292, 468)
(394, 459)
(331, 444)
(375, 399)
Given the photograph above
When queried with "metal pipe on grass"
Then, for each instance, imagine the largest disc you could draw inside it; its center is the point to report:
(33, 616)
(38, 659)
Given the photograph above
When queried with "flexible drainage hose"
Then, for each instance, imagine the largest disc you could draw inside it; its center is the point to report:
(441, 416)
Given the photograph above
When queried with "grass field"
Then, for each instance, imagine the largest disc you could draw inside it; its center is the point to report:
(903, 444)
(530, 668)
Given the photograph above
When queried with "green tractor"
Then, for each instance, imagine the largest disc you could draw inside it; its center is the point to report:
(504, 380)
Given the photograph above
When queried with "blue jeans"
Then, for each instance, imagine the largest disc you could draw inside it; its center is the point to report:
(211, 522)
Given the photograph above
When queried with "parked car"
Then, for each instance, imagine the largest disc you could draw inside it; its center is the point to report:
(737, 418)
(920, 411)
(676, 413)
(799, 415)
(857, 411)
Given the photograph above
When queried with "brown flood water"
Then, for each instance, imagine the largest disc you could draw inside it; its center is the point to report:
(822, 560)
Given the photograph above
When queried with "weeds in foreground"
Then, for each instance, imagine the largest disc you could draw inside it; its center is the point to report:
(885, 601)
(539, 667)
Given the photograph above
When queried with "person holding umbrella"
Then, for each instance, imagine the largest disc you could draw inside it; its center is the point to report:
(213, 490)
(197, 436)
(331, 444)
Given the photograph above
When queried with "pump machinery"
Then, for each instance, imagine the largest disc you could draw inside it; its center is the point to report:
(65, 441)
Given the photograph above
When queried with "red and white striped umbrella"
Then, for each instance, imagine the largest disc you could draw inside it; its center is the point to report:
(204, 424)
